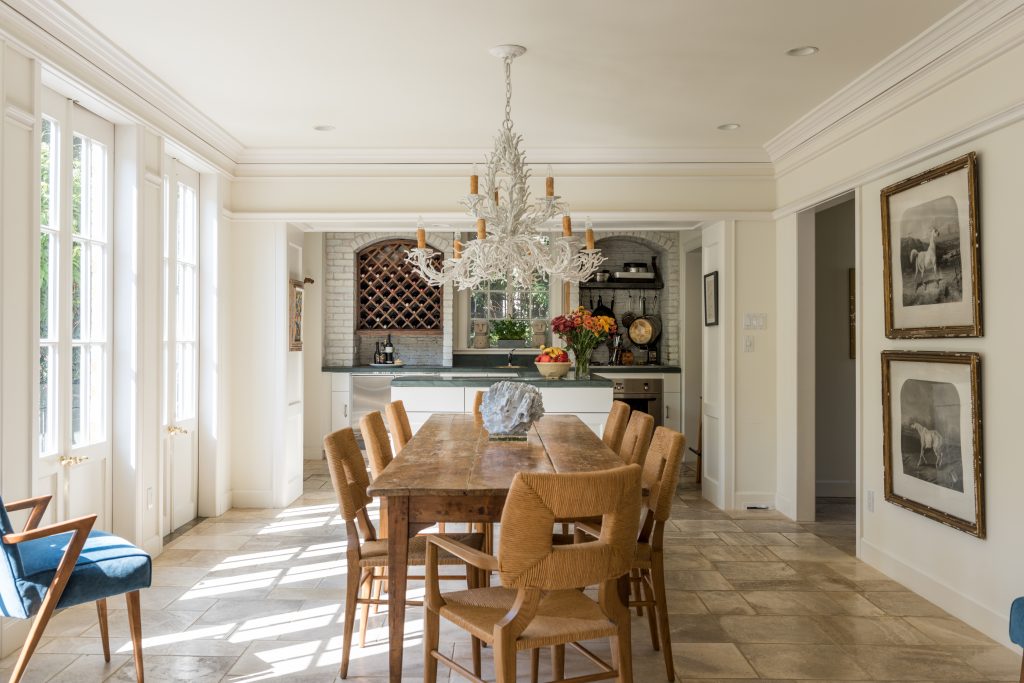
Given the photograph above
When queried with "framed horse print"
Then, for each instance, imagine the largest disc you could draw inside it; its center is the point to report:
(931, 424)
(931, 257)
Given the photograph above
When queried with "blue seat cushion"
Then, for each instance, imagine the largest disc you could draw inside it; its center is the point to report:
(108, 566)
(1017, 621)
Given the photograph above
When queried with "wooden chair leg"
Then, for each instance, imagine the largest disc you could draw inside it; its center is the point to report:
(658, 576)
(365, 591)
(624, 649)
(1022, 670)
(135, 625)
(376, 586)
(504, 660)
(652, 619)
(634, 576)
(431, 637)
(535, 665)
(557, 662)
(101, 612)
(35, 632)
(476, 657)
(351, 594)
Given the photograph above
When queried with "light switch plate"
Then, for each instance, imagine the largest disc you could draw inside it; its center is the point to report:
(748, 343)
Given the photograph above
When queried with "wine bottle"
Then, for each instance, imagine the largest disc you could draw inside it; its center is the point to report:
(389, 351)
(376, 353)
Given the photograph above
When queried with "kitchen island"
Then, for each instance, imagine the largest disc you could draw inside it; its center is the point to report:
(423, 395)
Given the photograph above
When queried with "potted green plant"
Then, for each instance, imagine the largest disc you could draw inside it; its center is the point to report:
(510, 334)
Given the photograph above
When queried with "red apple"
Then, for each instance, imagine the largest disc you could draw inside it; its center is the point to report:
(543, 359)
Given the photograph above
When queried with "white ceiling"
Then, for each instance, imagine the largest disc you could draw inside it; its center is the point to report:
(606, 75)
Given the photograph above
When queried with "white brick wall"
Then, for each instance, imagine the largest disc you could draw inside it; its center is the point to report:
(637, 246)
(342, 344)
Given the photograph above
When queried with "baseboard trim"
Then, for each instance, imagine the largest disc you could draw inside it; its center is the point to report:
(785, 506)
(988, 621)
(154, 545)
(259, 498)
(745, 498)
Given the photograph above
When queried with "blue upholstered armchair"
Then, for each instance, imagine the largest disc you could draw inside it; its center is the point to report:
(1017, 628)
(66, 564)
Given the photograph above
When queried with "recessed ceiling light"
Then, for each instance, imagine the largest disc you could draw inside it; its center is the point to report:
(802, 51)
(729, 126)
(324, 128)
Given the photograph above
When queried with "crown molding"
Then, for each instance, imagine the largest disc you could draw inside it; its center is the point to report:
(44, 27)
(979, 25)
(984, 126)
(539, 156)
(343, 221)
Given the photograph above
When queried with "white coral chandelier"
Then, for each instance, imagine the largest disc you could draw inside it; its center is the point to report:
(509, 245)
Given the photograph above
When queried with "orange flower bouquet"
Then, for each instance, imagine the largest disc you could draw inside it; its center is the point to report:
(581, 331)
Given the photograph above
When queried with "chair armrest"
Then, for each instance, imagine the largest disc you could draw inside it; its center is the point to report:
(38, 505)
(79, 524)
(477, 558)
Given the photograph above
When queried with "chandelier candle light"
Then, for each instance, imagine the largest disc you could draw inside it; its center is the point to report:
(509, 244)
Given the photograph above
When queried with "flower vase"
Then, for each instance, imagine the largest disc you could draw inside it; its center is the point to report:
(582, 367)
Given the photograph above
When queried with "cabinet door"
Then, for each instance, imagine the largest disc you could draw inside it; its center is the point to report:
(340, 410)
(673, 406)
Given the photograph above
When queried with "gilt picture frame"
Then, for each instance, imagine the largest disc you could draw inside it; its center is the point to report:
(711, 299)
(931, 255)
(932, 441)
(296, 302)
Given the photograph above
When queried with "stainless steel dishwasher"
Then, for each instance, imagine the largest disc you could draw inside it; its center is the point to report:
(373, 392)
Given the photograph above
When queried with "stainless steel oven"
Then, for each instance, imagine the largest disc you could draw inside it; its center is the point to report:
(645, 395)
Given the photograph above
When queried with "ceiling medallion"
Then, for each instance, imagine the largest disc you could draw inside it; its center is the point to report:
(509, 244)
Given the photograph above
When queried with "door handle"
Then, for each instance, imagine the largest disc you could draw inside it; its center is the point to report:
(175, 429)
(346, 410)
(69, 460)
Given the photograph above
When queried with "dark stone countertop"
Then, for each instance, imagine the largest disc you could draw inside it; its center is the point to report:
(525, 366)
(526, 376)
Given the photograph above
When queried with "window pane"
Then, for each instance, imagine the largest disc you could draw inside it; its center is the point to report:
(186, 242)
(76, 289)
(47, 283)
(76, 395)
(47, 400)
(88, 188)
(48, 174)
(184, 390)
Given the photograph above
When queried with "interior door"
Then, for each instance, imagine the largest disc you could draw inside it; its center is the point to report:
(180, 490)
(75, 276)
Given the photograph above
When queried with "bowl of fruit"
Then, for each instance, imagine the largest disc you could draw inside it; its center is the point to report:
(552, 362)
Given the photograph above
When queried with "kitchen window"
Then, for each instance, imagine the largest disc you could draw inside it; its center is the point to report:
(495, 303)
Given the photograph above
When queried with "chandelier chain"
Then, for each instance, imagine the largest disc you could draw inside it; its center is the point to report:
(508, 93)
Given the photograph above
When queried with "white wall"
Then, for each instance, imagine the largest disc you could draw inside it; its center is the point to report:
(317, 384)
(972, 578)
(834, 371)
(718, 409)
(754, 385)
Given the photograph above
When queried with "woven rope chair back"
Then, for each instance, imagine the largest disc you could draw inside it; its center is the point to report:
(378, 446)
(478, 401)
(526, 556)
(661, 470)
(637, 438)
(615, 427)
(399, 421)
(348, 472)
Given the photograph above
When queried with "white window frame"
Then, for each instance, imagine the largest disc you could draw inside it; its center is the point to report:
(73, 120)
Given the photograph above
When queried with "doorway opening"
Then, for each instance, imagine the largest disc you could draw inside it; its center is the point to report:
(835, 438)
(693, 360)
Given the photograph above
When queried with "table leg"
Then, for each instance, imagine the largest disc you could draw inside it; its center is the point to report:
(398, 562)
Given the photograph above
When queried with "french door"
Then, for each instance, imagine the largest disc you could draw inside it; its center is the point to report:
(76, 180)
(180, 346)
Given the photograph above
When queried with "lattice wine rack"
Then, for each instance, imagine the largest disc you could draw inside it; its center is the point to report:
(392, 295)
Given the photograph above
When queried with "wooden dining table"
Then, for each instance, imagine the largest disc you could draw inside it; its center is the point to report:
(451, 472)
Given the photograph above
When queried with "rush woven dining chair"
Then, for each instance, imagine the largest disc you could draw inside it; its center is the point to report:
(65, 564)
(660, 478)
(637, 438)
(539, 603)
(398, 420)
(615, 427)
(366, 552)
(478, 400)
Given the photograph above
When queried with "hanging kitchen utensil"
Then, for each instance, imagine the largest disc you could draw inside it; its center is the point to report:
(646, 329)
(602, 309)
(628, 316)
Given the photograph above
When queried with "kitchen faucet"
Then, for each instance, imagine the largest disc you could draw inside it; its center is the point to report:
(510, 354)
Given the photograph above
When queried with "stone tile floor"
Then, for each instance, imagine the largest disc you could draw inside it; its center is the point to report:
(255, 595)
